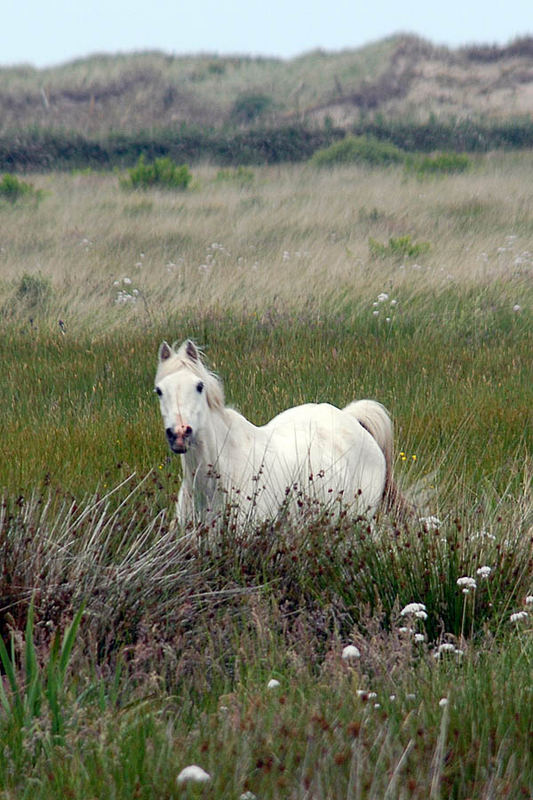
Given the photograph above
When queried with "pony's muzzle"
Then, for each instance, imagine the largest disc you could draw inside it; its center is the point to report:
(178, 438)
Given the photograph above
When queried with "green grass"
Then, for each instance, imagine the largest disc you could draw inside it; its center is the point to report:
(81, 406)
(181, 631)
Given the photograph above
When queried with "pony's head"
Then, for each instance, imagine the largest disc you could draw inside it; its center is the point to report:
(187, 392)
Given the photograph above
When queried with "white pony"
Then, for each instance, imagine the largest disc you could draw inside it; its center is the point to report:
(310, 456)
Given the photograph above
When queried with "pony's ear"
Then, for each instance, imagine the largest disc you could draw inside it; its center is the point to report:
(191, 351)
(165, 351)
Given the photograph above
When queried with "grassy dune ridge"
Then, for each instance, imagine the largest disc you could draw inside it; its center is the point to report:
(399, 77)
(181, 631)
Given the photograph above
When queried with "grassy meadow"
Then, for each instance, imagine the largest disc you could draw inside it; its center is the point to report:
(133, 649)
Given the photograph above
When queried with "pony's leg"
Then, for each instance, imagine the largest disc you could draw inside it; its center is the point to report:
(184, 506)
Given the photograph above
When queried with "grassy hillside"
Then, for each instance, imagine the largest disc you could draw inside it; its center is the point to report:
(134, 648)
(399, 76)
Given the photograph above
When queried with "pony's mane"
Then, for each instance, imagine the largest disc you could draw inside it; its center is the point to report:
(213, 385)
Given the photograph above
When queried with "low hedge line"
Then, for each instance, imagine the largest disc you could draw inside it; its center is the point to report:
(39, 149)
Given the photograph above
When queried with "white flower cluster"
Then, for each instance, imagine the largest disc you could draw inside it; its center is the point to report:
(382, 298)
(430, 523)
(193, 774)
(350, 653)
(466, 584)
(125, 297)
(447, 648)
(484, 535)
(484, 572)
(418, 610)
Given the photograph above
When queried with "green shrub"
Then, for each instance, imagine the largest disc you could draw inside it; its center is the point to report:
(398, 247)
(163, 173)
(439, 164)
(358, 150)
(12, 189)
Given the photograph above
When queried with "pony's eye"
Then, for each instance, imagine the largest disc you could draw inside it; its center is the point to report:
(158, 391)
(199, 387)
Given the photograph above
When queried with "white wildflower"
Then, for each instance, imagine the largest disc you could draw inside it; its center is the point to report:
(413, 608)
(446, 647)
(375, 313)
(484, 535)
(484, 572)
(350, 653)
(193, 774)
(127, 281)
(529, 600)
(273, 684)
(421, 615)
(247, 796)
(443, 702)
(518, 616)
(466, 583)
(431, 522)
(517, 308)
(382, 297)
(365, 694)
(419, 637)
(394, 302)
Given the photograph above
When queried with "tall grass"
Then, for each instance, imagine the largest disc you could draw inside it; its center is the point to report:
(291, 238)
(182, 630)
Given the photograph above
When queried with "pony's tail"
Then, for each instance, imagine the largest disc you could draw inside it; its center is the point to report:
(375, 418)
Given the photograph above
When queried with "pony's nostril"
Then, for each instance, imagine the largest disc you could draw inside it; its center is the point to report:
(188, 430)
(170, 434)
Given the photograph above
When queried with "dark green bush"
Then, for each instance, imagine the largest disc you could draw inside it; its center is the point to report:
(33, 294)
(248, 107)
(358, 150)
(163, 173)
